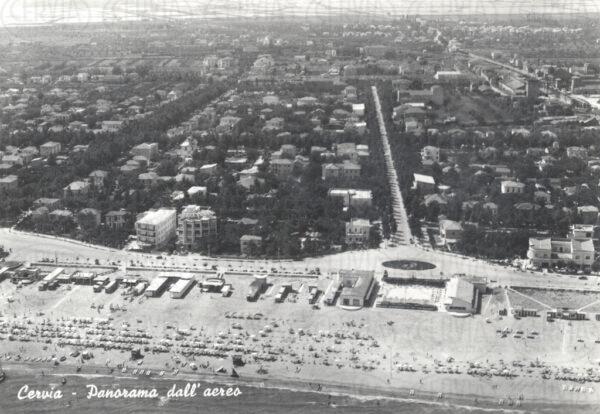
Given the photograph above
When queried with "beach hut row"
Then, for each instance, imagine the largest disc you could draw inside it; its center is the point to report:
(20, 338)
(204, 352)
(71, 335)
(135, 334)
(113, 338)
(578, 378)
(95, 344)
(487, 372)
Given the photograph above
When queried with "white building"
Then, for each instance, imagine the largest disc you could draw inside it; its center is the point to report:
(512, 187)
(357, 287)
(461, 296)
(450, 76)
(156, 227)
(50, 148)
(548, 252)
(450, 231)
(582, 231)
(181, 287)
(111, 126)
(358, 109)
(425, 183)
(147, 150)
(195, 225)
(353, 198)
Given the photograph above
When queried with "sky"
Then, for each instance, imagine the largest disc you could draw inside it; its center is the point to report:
(26, 12)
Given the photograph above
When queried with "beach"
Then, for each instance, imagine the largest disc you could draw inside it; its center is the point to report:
(272, 396)
(375, 353)
(483, 361)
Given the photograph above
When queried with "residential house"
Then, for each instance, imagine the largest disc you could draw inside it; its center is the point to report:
(111, 126)
(423, 183)
(490, 207)
(148, 179)
(146, 150)
(50, 203)
(589, 214)
(357, 232)
(9, 183)
(50, 148)
(208, 169)
(577, 152)
(512, 187)
(450, 231)
(76, 189)
(116, 220)
(345, 170)
(197, 193)
(439, 199)
(430, 155)
(98, 178)
(307, 101)
(270, 100)
(282, 167)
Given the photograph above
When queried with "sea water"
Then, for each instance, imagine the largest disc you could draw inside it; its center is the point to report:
(43, 12)
(252, 399)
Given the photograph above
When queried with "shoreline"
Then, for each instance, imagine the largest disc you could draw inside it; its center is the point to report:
(360, 392)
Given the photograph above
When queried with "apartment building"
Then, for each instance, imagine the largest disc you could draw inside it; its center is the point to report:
(195, 224)
(547, 252)
(156, 227)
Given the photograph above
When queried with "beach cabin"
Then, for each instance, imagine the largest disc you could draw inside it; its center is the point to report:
(282, 293)
(50, 278)
(181, 288)
(213, 284)
(139, 288)
(331, 293)
(112, 286)
(157, 287)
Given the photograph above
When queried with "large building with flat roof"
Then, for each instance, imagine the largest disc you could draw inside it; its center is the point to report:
(461, 296)
(547, 252)
(156, 227)
(357, 287)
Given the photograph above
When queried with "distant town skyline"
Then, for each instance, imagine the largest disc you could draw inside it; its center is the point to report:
(42, 12)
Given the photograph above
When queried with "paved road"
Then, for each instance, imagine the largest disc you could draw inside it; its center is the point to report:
(30, 247)
(403, 234)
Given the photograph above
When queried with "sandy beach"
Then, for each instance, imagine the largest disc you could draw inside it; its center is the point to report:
(101, 377)
(372, 352)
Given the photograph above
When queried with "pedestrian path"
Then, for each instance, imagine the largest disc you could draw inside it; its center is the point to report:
(403, 234)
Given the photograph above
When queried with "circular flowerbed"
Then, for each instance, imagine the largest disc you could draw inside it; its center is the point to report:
(408, 265)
